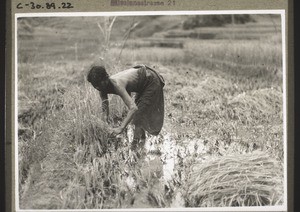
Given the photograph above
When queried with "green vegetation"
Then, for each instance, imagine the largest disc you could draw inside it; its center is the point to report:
(215, 20)
(223, 96)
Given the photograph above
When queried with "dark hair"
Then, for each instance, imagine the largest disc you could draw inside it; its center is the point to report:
(96, 74)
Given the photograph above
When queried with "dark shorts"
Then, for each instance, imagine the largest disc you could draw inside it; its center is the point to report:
(150, 102)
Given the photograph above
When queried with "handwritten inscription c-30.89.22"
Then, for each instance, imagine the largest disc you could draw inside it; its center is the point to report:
(47, 5)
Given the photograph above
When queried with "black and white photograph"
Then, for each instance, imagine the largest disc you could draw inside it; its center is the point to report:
(151, 111)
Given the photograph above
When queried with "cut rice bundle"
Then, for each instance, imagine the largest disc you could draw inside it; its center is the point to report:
(238, 180)
(264, 103)
(212, 88)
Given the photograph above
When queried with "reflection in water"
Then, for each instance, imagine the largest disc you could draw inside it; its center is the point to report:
(171, 152)
(165, 155)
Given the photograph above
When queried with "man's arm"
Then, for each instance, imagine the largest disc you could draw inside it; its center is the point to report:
(121, 91)
(105, 105)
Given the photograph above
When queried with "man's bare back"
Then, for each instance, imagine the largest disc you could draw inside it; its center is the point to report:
(127, 79)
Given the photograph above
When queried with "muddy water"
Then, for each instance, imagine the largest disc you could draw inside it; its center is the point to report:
(165, 158)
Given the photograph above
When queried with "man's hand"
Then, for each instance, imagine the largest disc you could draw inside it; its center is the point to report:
(116, 131)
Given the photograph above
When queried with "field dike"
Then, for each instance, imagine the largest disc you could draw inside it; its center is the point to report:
(75, 164)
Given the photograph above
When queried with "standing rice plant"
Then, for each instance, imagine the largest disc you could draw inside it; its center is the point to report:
(79, 159)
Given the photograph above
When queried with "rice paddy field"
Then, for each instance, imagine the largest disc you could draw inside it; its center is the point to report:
(222, 142)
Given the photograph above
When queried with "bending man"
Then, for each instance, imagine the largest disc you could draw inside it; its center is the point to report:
(147, 111)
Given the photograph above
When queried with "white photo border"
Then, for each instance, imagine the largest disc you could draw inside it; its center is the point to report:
(281, 12)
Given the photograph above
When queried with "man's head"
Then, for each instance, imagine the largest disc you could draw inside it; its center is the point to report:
(98, 77)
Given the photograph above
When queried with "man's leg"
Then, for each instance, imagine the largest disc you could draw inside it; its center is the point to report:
(139, 138)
